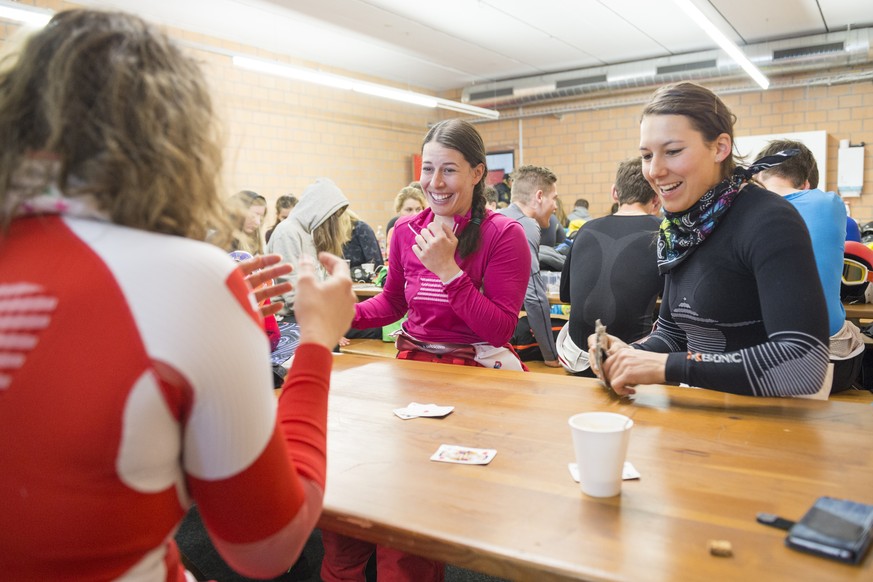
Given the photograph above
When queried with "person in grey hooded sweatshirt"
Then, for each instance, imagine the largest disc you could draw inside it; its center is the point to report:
(317, 224)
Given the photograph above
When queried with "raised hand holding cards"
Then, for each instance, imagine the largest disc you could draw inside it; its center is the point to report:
(600, 345)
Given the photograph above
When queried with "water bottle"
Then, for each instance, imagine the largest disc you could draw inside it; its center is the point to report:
(380, 237)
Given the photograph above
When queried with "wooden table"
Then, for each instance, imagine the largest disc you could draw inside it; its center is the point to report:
(709, 463)
(859, 310)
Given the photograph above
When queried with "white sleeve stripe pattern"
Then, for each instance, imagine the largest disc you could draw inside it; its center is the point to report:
(790, 364)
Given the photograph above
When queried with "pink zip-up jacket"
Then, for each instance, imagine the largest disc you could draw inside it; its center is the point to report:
(481, 305)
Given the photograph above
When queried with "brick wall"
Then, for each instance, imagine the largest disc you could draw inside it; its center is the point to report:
(282, 134)
(584, 148)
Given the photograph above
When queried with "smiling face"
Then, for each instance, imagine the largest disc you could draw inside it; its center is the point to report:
(254, 217)
(678, 163)
(448, 179)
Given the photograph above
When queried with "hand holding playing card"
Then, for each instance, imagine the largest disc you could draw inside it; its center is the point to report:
(324, 309)
(435, 247)
(622, 367)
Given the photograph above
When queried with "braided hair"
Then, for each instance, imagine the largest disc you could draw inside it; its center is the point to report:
(462, 137)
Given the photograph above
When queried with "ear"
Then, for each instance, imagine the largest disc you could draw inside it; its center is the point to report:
(723, 147)
(805, 185)
(614, 194)
(539, 197)
(478, 172)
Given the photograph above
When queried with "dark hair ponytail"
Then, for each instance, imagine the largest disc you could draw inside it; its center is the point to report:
(461, 136)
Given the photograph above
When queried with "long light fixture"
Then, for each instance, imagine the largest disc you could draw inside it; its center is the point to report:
(26, 14)
(36, 17)
(724, 42)
(350, 84)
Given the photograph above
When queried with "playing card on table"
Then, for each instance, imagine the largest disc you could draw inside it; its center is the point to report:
(463, 455)
(415, 410)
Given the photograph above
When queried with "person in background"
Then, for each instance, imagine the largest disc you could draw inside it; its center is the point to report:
(284, 206)
(504, 190)
(743, 309)
(563, 221)
(247, 210)
(490, 198)
(580, 211)
(316, 226)
(534, 192)
(611, 272)
(103, 217)
(853, 231)
(408, 202)
(461, 273)
(362, 247)
(824, 214)
(578, 216)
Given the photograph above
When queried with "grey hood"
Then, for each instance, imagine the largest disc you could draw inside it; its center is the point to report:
(318, 203)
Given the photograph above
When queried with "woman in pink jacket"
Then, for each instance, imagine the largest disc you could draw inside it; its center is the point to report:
(460, 271)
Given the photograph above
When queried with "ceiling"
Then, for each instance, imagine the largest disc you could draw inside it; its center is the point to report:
(451, 44)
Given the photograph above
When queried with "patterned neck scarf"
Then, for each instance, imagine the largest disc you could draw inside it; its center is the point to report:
(682, 232)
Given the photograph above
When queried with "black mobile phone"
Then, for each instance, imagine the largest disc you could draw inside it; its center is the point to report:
(834, 528)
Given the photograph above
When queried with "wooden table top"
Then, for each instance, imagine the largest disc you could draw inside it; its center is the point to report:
(859, 310)
(709, 463)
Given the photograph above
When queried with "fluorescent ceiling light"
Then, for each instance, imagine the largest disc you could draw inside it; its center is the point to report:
(350, 84)
(26, 14)
(724, 42)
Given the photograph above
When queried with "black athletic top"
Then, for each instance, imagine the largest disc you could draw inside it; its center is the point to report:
(745, 312)
(611, 274)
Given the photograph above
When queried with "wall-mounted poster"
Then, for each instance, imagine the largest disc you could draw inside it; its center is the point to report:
(499, 164)
(817, 142)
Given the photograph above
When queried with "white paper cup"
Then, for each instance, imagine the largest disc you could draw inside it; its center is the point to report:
(369, 268)
(600, 441)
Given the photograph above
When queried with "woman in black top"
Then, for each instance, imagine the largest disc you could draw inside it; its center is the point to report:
(743, 310)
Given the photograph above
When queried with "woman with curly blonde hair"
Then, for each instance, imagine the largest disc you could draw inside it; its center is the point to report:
(133, 365)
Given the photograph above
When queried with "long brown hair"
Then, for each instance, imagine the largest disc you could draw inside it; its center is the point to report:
(238, 206)
(461, 136)
(704, 109)
(127, 116)
(333, 233)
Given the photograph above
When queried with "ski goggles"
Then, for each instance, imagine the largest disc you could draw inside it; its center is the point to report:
(855, 273)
